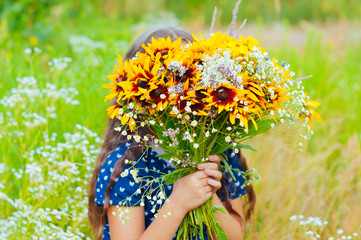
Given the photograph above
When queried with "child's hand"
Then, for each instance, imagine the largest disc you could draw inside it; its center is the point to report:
(212, 170)
(193, 190)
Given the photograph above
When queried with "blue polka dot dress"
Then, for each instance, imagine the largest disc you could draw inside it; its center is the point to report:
(149, 166)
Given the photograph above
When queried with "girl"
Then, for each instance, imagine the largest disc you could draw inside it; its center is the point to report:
(110, 184)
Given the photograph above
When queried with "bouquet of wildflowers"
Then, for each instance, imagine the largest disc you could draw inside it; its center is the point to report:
(202, 99)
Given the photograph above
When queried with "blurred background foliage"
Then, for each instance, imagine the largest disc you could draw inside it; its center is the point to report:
(316, 37)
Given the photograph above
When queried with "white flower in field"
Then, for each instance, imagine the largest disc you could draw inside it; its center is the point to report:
(194, 123)
(339, 231)
(229, 128)
(309, 233)
(331, 238)
(228, 139)
(27, 51)
(37, 50)
(129, 137)
(272, 112)
(151, 122)
(207, 134)
(196, 145)
(273, 125)
(214, 130)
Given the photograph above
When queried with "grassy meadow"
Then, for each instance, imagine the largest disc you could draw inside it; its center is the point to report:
(54, 59)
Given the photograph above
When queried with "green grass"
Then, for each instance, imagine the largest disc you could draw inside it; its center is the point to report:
(323, 181)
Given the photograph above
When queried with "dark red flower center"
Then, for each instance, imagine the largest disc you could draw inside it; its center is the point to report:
(222, 94)
(142, 83)
(200, 94)
(156, 93)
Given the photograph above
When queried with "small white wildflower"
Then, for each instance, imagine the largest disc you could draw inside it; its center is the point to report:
(194, 123)
(27, 50)
(340, 231)
(196, 145)
(228, 139)
(214, 130)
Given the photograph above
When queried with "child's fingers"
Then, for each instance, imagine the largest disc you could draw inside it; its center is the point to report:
(214, 158)
(214, 183)
(217, 175)
(210, 165)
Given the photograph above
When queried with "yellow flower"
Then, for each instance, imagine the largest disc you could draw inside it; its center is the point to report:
(118, 76)
(310, 105)
(162, 47)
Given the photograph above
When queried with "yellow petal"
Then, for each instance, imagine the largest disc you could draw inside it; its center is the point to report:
(125, 119)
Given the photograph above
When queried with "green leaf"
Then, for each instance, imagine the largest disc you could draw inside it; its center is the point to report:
(219, 208)
(240, 145)
(223, 159)
(166, 156)
(221, 234)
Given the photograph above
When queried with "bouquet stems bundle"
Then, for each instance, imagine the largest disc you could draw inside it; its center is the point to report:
(202, 99)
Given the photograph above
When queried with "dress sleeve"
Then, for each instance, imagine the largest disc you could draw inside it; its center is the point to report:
(127, 189)
(126, 184)
(235, 187)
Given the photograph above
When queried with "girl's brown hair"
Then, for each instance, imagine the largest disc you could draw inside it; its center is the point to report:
(97, 214)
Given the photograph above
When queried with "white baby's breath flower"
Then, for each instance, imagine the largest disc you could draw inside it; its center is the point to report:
(196, 145)
(194, 123)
